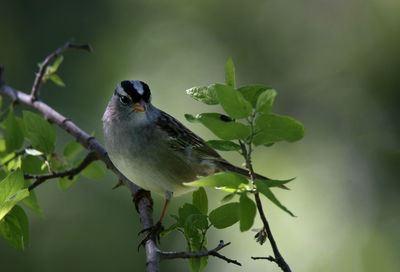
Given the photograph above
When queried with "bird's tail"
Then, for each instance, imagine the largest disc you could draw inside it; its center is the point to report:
(244, 172)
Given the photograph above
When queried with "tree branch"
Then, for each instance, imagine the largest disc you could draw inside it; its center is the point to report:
(48, 60)
(90, 143)
(90, 157)
(164, 255)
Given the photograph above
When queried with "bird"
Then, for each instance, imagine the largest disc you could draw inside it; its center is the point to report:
(153, 149)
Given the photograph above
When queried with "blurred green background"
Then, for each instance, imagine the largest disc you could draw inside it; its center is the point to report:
(335, 65)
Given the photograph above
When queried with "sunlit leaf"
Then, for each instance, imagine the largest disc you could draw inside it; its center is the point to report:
(223, 145)
(39, 132)
(205, 94)
(264, 189)
(230, 73)
(225, 215)
(265, 101)
(56, 79)
(223, 179)
(274, 128)
(33, 152)
(200, 200)
(11, 191)
(233, 101)
(247, 212)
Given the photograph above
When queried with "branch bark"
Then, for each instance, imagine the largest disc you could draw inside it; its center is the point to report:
(91, 144)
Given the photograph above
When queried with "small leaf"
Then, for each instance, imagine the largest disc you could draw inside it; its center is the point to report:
(57, 63)
(228, 197)
(233, 101)
(40, 133)
(71, 150)
(33, 152)
(247, 212)
(223, 179)
(223, 145)
(194, 264)
(225, 215)
(265, 101)
(274, 128)
(205, 94)
(56, 79)
(223, 127)
(94, 171)
(275, 182)
(14, 134)
(264, 189)
(200, 200)
(252, 92)
(230, 73)
(190, 118)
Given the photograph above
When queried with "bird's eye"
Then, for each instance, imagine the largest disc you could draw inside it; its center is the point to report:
(124, 100)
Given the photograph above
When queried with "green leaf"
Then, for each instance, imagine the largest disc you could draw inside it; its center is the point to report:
(272, 128)
(265, 101)
(57, 63)
(264, 189)
(225, 215)
(40, 133)
(71, 150)
(205, 94)
(56, 80)
(94, 171)
(230, 73)
(14, 134)
(31, 201)
(66, 182)
(275, 182)
(252, 92)
(233, 101)
(228, 197)
(247, 212)
(20, 214)
(185, 211)
(194, 223)
(11, 231)
(11, 191)
(194, 264)
(223, 127)
(200, 200)
(223, 179)
(223, 145)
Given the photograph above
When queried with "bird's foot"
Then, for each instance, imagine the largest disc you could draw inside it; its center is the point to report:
(151, 233)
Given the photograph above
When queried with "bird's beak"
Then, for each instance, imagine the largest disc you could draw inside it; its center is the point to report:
(140, 106)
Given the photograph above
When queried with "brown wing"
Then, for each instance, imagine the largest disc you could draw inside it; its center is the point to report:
(182, 138)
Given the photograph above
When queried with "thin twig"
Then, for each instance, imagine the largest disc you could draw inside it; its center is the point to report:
(269, 258)
(164, 255)
(90, 157)
(48, 60)
(279, 260)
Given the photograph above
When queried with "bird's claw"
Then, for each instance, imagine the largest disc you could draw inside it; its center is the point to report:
(151, 233)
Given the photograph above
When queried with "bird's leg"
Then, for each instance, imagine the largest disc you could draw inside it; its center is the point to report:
(157, 228)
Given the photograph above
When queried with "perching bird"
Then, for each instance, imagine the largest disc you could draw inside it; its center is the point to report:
(152, 148)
